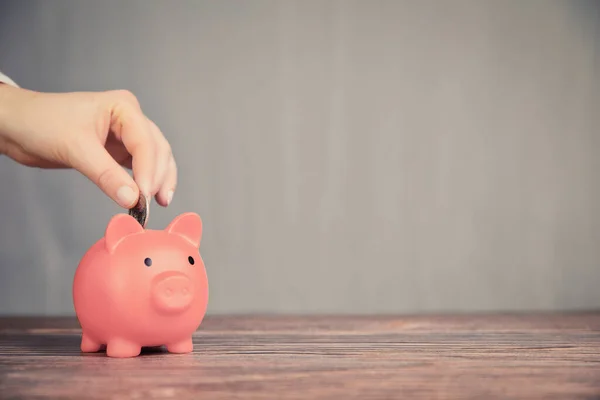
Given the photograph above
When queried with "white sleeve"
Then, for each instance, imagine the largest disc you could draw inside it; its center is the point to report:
(7, 80)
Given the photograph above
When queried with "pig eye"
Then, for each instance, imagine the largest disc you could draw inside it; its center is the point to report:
(191, 260)
(148, 262)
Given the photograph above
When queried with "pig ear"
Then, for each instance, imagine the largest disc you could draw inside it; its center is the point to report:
(189, 226)
(120, 226)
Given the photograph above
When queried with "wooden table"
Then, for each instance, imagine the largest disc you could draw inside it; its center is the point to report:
(536, 356)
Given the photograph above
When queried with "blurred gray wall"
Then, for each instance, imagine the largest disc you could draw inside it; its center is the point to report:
(345, 156)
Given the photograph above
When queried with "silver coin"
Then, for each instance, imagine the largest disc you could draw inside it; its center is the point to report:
(141, 211)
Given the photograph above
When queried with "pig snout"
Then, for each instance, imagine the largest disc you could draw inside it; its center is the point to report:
(172, 292)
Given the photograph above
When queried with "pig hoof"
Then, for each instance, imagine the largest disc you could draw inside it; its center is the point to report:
(185, 346)
(122, 349)
(88, 345)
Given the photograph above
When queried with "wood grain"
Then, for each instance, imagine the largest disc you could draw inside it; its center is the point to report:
(526, 356)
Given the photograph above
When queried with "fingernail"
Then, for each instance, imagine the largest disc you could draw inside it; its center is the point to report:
(169, 197)
(126, 196)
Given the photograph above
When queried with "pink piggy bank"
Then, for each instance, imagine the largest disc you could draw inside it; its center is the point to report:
(138, 287)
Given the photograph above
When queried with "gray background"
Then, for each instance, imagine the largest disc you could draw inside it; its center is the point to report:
(345, 156)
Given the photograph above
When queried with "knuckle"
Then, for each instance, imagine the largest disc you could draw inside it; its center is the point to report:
(106, 178)
(128, 97)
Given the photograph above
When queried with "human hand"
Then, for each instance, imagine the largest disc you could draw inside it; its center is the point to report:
(96, 133)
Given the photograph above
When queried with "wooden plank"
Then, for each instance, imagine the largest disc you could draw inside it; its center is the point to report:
(545, 356)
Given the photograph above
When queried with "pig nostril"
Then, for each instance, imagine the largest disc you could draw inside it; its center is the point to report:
(172, 293)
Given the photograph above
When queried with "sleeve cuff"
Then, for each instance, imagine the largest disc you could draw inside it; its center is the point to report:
(7, 80)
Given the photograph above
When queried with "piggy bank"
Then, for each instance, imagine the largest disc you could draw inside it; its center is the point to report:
(138, 287)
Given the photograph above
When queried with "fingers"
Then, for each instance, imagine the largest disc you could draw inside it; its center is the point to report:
(164, 167)
(91, 159)
(130, 126)
(152, 161)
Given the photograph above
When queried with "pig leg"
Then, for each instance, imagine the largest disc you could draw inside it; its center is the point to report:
(88, 345)
(122, 348)
(185, 346)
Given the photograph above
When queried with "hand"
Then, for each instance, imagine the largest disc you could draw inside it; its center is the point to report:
(97, 134)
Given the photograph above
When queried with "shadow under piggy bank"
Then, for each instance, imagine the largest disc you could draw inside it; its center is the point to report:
(139, 288)
(53, 345)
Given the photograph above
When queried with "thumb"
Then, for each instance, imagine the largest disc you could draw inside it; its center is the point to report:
(99, 167)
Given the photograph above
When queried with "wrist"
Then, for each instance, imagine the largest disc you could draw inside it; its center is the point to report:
(5, 100)
(11, 98)
(5, 113)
